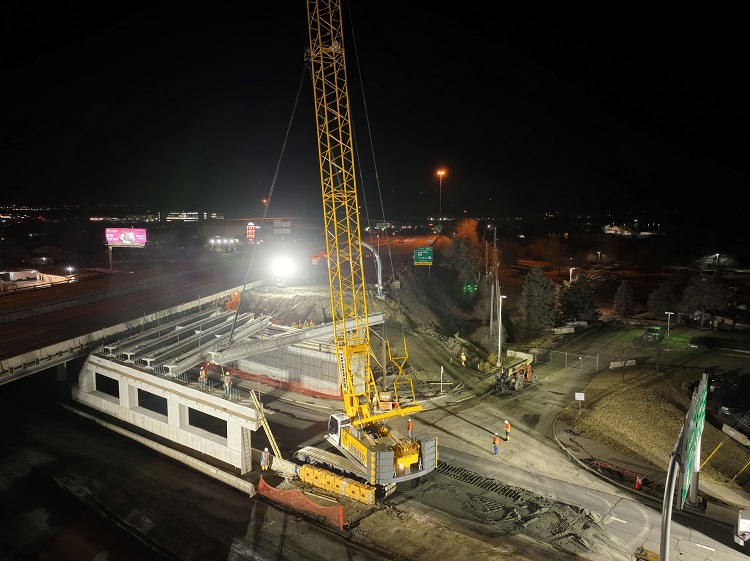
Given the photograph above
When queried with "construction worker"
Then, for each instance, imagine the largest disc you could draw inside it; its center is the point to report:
(496, 443)
(312, 323)
(408, 427)
(265, 460)
(202, 379)
(463, 358)
(227, 384)
(299, 324)
(307, 324)
(507, 430)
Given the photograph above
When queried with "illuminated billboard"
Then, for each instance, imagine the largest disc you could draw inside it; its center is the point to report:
(126, 237)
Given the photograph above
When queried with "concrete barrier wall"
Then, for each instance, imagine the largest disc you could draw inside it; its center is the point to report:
(620, 364)
(518, 354)
(738, 436)
(50, 356)
(721, 512)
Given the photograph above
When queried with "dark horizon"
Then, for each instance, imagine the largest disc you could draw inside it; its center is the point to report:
(179, 106)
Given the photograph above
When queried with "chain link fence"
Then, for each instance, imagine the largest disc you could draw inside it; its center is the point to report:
(567, 360)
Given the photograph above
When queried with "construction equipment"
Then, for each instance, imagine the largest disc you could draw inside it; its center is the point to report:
(378, 453)
(234, 301)
(515, 376)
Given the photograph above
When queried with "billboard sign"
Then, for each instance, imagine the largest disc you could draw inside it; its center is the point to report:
(250, 232)
(126, 237)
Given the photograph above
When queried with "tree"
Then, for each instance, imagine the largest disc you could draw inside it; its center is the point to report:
(662, 300)
(624, 303)
(465, 254)
(537, 304)
(508, 253)
(702, 293)
(577, 299)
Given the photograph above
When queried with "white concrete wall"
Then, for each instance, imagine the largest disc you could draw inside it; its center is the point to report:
(180, 398)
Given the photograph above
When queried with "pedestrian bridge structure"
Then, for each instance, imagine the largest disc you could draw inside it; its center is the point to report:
(150, 379)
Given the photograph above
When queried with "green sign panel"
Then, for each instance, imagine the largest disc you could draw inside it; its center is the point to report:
(382, 225)
(692, 433)
(423, 256)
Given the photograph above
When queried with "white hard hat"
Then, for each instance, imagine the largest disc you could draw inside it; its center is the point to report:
(495, 434)
(506, 420)
(265, 449)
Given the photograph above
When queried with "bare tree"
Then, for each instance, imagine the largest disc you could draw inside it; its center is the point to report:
(702, 293)
(465, 254)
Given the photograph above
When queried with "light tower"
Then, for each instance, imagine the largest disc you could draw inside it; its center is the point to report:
(441, 173)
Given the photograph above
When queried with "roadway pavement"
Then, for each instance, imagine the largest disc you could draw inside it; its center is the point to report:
(609, 465)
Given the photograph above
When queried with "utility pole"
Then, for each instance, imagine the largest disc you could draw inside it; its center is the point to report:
(494, 277)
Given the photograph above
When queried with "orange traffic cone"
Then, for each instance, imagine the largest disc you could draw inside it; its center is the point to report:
(638, 482)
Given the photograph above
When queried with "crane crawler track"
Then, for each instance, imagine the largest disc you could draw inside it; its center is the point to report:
(510, 509)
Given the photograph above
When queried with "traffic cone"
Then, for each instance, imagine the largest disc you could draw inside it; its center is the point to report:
(638, 482)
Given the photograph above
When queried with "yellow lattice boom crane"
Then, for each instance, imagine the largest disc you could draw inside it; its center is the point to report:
(382, 454)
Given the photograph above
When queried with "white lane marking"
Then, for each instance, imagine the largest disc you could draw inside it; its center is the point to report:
(618, 519)
(705, 547)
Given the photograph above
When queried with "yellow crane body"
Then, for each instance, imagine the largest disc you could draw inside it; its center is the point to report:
(361, 432)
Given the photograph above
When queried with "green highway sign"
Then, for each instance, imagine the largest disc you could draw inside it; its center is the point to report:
(382, 225)
(692, 433)
(423, 256)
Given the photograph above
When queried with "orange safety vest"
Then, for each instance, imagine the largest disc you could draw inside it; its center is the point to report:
(507, 427)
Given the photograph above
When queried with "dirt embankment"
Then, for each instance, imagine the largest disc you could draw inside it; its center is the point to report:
(639, 411)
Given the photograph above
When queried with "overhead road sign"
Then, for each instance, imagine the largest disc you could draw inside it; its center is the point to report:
(423, 256)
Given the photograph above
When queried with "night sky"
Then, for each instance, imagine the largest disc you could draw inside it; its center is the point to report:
(186, 106)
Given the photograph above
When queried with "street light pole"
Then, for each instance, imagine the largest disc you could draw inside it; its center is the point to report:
(598, 258)
(494, 277)
(669, 316)
(441, 173)
(500, 327)
(571, 274)
(717, 260)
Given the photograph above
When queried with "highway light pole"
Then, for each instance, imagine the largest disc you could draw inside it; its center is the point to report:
(494, 276)
(500, 327)
(441, 173)
(570, 279)
(598, 258)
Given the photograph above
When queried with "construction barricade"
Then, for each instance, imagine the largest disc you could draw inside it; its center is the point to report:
(298, 501)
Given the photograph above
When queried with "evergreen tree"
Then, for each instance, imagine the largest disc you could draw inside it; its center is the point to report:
(465, 253)
(662, 300)
(537, 304)
(702, 293)
(577, 299)
(624, 303)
